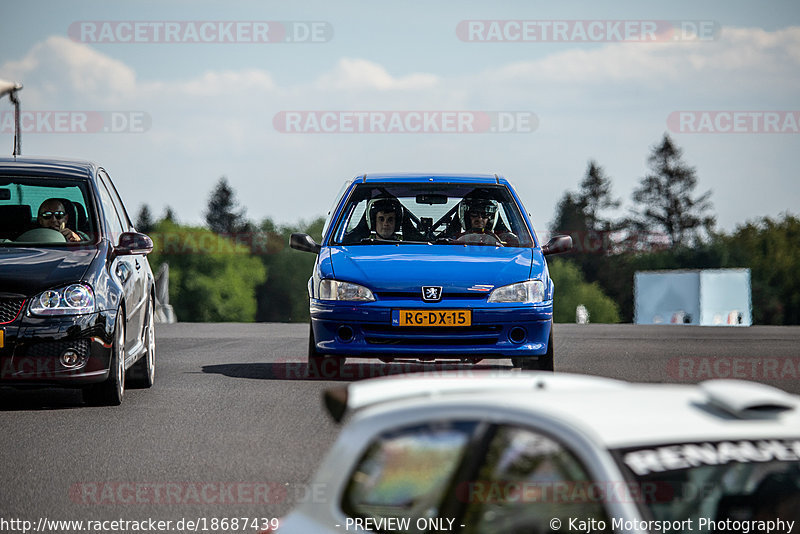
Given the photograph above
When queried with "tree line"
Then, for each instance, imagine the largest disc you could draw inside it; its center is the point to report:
(670, 226)
(234, 269)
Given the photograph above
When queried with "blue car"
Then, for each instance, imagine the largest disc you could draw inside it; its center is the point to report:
(430, 267)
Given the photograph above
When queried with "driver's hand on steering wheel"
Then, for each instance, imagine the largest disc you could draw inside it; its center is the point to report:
(69, 234)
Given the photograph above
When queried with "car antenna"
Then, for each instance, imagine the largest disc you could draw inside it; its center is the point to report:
(11, 89)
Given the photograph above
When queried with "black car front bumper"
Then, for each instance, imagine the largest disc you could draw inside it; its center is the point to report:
(32, 348)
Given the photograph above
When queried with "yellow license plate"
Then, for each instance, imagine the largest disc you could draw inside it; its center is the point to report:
(435, 318)
(2, 338)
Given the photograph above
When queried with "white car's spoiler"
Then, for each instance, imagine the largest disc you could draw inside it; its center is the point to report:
(740, 398)
(341, 400)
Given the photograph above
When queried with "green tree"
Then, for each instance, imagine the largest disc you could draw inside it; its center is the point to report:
(223, 215)
(569, 218)
(283, 297)
(144, 220)
(769, 247)
(169, 215)
(212, 278)
(572, 290)
(581, 216)
(664, 199)
(595, 197)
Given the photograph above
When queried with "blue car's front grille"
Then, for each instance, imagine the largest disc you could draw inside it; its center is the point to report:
(417, 295)
(459, 336)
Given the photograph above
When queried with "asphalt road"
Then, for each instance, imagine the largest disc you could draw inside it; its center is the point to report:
(235, 428)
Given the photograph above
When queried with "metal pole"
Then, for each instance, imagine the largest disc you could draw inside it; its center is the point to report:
(17, 129)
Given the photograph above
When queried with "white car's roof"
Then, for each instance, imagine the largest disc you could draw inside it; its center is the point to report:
(616, 414)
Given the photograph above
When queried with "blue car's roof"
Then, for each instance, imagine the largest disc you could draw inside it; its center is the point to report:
(407, 177)
(36, 165)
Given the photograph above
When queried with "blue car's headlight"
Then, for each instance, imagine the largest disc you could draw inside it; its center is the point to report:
(529, 292)
(73, 299)
(330, 289)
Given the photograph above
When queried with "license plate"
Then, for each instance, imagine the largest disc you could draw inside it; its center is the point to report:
(2, 338)
(433, 318)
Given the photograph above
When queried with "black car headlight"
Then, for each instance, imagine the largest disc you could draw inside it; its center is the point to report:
(74, 299)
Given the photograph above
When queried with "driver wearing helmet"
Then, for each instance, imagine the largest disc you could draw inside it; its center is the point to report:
(385, 216)
(478, 215)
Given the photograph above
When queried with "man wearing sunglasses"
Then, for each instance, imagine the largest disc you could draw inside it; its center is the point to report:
(53, 215)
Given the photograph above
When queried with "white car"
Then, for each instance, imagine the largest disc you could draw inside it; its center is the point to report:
(538, 453)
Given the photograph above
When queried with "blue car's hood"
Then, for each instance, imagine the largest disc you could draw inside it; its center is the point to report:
(407, 267)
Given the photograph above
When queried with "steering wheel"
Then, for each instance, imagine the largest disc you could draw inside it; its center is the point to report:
(41, 235)
(479, 239)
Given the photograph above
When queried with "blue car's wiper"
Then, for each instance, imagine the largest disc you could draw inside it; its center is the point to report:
(379, 241)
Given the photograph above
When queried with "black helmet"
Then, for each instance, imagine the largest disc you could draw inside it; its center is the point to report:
(483, 206)
(384, 204)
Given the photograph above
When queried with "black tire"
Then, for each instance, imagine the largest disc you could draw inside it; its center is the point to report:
(320, 366)
(542, 363)
(142, 373)
(546, 361)
(111, 392)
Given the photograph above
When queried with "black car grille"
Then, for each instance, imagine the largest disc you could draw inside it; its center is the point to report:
(9, 309)
(442, 336)
(54, 349)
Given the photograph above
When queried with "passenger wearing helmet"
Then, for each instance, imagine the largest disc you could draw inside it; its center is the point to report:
(385, 217)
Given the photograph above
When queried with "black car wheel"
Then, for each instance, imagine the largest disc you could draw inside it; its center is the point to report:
(142, 374)
(542, 363)
(320, 366)
(110, 392)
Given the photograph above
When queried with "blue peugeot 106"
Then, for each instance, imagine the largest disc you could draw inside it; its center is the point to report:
(429, 267)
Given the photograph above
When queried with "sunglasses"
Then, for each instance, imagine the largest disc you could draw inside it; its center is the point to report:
(50, 214)
(481, 214)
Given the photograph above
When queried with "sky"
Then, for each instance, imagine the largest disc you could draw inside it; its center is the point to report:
(301, 96)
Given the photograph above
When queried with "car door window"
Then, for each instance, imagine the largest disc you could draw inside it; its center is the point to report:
(114, 223)
(117, 201)
(406, 474)
(336, 202)
(526, 481)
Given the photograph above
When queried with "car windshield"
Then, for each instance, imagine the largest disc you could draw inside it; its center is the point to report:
(696, 484)
(45, 211)
(448, 214)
